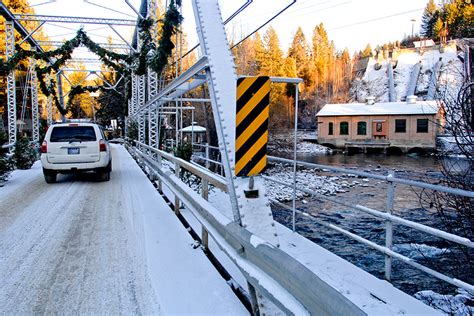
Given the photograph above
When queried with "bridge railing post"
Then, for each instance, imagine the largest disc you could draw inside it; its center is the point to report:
(160, 185)
(177, 170)
(207, 156)
(389, 227)
(205, 195)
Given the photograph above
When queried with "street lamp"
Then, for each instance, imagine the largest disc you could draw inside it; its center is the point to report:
(412, 26)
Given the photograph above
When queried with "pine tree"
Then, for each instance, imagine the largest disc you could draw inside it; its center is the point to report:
(430, 15)
(367, 52)
(459, 18)
(438, 28)
(299, 51)
(25, 154)
(259, 53)
(321, 48)
(272, 65)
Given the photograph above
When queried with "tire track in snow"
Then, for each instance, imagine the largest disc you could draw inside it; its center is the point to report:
(72, 247)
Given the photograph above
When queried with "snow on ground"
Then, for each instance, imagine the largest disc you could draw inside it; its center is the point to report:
(307, 178)
(86, 247)
(375, 80)
(402, 73)
(311, 148)
(372, 295)
(283, 142)
(461, 304)
(419, 251)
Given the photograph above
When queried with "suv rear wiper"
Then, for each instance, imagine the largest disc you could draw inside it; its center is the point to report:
(71, 140)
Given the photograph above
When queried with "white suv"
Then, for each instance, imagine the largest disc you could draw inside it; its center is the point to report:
(75, 147)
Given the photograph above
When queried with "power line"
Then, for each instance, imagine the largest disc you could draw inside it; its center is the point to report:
(306, 12)
(375, 19)
(268, 21)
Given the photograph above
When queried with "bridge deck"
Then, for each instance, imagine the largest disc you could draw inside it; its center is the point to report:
(80, 246)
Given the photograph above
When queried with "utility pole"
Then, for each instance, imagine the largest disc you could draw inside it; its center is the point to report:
(412, 26)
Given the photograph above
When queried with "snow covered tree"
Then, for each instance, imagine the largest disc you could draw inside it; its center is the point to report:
(25, 153)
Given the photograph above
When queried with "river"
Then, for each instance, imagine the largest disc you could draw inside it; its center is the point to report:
(423, 248)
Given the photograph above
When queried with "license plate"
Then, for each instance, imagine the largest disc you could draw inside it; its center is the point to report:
(73, 151)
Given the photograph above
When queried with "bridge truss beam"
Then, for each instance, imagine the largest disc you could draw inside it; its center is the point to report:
(11, 84)
(152, 83)
(141, 80)
(103, 45)
(73, 19)
(34, 105)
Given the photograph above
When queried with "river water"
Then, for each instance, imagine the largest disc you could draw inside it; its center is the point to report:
(423, 248)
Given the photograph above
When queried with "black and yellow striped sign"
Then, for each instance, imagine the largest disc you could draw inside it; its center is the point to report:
(253, 98)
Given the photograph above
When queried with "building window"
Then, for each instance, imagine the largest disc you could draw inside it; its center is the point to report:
(331, 129)
(361, 128)
(400, 126)
(344, 128)
(378, 127)
(422, 125)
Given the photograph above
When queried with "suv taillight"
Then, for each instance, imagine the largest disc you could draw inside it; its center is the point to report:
(44, 147)
(102, 145)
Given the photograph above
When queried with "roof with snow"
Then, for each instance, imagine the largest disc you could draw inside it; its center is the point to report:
(196, 128)
(385, 108)
(424, 43)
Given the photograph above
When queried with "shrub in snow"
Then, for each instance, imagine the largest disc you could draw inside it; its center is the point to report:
(5, 164)
(132, 130)
(25, 154)
(184, 151)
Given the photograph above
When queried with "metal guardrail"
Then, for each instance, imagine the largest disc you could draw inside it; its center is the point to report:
(271, 271)
(7, 146)
(387, 216)
(206, 158)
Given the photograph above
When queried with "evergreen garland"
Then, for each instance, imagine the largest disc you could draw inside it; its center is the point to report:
(149, 56)
(79, 90)
(165, 45)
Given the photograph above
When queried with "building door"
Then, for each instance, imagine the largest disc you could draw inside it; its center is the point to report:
(379, 129)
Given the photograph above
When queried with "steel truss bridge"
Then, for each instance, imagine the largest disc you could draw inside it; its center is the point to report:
(274, 278)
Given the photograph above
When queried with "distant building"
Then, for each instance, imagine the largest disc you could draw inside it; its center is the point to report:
(409, 126)
(424, 43)
(196, 131)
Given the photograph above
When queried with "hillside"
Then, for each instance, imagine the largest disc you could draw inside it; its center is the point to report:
(442, 64)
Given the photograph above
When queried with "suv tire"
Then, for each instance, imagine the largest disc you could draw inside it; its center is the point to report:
(49, 176)
(104, 176)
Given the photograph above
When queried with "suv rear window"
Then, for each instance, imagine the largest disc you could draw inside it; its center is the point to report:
(72, 133)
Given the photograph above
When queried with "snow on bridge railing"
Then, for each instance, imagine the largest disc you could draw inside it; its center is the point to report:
(290, 285)
(219, 182)
(387, 216)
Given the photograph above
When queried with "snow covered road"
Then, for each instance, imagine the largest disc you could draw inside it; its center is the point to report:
(81, 246)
